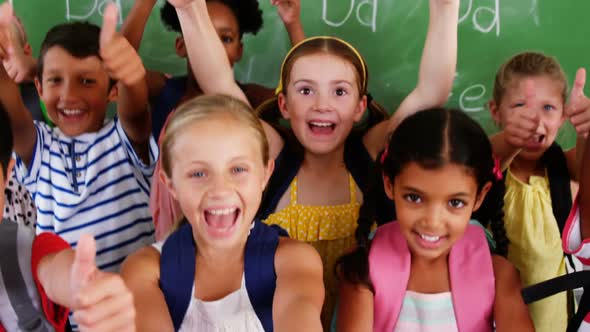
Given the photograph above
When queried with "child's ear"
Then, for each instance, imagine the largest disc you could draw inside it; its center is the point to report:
(39, 86)
(268, 170)
(167, 182)
(114, 93)
(388, 186)
(482, 195)
(493, 106)
(282, 101)
(362, 106)
(180, 47)
(27, 49)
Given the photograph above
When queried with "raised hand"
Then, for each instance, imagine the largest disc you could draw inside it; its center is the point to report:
(521, 126)
(289, 10)
(101, 301)
(119, 58)
(578, 107)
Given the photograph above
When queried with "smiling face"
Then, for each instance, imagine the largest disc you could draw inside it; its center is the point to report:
(433, 214)
(75, 91)
(219, 180)
(322, 101)
(548, 106)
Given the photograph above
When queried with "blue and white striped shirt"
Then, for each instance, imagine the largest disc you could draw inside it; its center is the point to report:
(92, 184)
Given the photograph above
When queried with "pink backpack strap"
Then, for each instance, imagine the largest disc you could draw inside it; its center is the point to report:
(389, 270)
(472, 281)
(164, 208)
(470, 267)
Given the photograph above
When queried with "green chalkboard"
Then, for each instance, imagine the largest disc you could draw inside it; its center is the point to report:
(389, 33)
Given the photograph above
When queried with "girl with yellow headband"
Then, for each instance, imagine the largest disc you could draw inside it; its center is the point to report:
(323, 94)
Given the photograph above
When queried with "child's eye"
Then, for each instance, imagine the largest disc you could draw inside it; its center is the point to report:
(305, 91)
(518, 105)
(414, 198)
(226, 40)
(456, 203)
(197, 174)
(53, 80)
(239, 169)
(341, 92)
(88, 81)
(548, 107)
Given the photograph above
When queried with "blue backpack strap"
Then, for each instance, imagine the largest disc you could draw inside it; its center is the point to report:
(363, 169)
(177, 272)
(259, 270)
(163, 104)
(287, 165)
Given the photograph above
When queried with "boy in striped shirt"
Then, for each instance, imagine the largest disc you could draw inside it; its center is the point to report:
(86, 175)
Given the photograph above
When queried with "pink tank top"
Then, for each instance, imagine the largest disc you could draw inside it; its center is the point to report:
(471, 273)
(164, 208)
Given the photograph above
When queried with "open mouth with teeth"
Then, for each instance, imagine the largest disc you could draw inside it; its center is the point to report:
(221, 222)
(321, 127)
(536, 142)
(429, 241)
(71, 114)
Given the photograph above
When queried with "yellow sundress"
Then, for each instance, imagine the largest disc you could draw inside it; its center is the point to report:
(330, 229)
(535, 246)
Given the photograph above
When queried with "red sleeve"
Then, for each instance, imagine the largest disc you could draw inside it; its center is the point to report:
(43, 245)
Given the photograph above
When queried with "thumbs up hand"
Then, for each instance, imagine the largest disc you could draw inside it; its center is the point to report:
(102, 301)
(521, 125)
(578, 107)
(119, 58)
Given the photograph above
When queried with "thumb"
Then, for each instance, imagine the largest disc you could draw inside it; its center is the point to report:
(6, 15)
(579, 83)
(109, 24)
(529, 93)
(84, 265)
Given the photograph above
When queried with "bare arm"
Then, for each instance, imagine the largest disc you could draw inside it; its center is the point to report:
(510, 311)
(290, 13)
(133, 29)
(584, 193)
(124, 64)
(141, 272)
(299, 294)
(436, 74)
(355, 308)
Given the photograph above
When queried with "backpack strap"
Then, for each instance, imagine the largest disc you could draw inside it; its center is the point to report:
(365, 173)
(29, 318)
(166, 101)
(560, 284)
(177, 272)
(259, 270)
(287, 165)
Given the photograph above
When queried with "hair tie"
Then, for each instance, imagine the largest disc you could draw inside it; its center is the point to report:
(384, 155)
(497, 170)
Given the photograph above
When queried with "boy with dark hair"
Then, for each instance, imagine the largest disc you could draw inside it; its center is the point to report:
(40, 276)
(86, 175)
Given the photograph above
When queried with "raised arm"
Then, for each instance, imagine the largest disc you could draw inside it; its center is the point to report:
(290, 13)
(124, 65)
(436, 73)
(578, 111)
(23, 127)
(141, 272)
(133, 29)
(299, 294)
(210, 64)
(206, 54)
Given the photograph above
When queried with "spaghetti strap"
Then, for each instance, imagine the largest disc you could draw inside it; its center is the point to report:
(293, 192)
(352, 186)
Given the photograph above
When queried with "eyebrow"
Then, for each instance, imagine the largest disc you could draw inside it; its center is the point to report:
(314, 82)
(458, 194)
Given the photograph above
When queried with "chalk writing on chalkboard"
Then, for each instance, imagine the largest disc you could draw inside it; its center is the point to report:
(93, 7)
(484, 18)
(370, 5)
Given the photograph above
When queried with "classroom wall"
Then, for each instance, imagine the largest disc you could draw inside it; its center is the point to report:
(389, 33)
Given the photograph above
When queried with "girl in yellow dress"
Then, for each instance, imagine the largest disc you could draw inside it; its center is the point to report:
(529, 103)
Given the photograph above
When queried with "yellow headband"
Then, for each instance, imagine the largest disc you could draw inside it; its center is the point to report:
(354, 50)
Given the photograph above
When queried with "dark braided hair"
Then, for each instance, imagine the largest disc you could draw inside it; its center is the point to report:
(247, 12)
(433, 138)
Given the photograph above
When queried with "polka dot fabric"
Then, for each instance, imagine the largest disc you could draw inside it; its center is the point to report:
(18, 205)
(329, 229)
